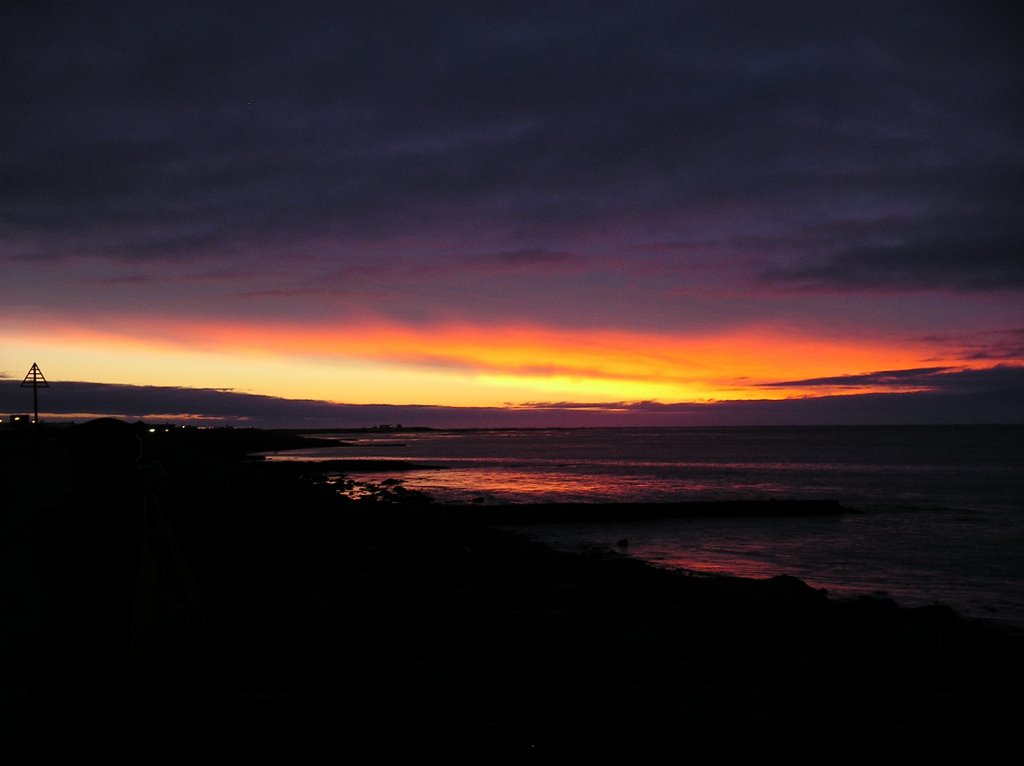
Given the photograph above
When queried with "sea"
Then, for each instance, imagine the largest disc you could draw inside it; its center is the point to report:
(937, 512)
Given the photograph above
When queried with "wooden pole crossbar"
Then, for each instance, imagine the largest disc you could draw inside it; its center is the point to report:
(35, 379)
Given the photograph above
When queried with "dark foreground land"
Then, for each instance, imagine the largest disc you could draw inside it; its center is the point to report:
(279, 623)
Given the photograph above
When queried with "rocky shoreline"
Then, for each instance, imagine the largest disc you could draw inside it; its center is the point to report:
(318, 629)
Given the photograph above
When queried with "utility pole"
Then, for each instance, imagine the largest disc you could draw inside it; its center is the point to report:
(35, 379)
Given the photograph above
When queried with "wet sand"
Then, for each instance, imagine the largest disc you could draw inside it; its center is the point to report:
(377, 631)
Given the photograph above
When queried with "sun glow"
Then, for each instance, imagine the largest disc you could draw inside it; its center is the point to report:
(379, 362)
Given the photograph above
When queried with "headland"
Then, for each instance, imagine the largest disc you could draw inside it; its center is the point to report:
(289, 624)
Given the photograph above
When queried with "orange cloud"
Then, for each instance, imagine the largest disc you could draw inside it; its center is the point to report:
(374, 361)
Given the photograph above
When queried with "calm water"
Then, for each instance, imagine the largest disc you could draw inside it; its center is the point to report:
(942, 508)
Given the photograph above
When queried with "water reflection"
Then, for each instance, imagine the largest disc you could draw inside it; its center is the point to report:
(515, 485)
(915, 559)
(971, 556)
(862, 467)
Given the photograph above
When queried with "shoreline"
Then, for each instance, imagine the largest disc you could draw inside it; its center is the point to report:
(555, 513)
(448, 636)
(376, 631)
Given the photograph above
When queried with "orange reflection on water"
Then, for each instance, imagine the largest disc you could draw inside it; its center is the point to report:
(719, 562)
(511, 485)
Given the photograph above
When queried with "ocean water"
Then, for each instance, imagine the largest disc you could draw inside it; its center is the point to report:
(939, 509)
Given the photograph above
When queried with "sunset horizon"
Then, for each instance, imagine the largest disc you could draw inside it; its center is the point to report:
(429, 206)
(484, 382)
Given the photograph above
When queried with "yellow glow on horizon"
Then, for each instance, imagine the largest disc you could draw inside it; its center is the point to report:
(344, 380)
(458, 365)
(569, 388)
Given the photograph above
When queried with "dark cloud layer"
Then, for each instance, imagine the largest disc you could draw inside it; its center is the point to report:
(975, 396)
(998, 380)
(924, 376)
(965, 254)
(186, 131)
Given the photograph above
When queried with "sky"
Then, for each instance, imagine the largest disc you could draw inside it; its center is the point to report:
(661, 212)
